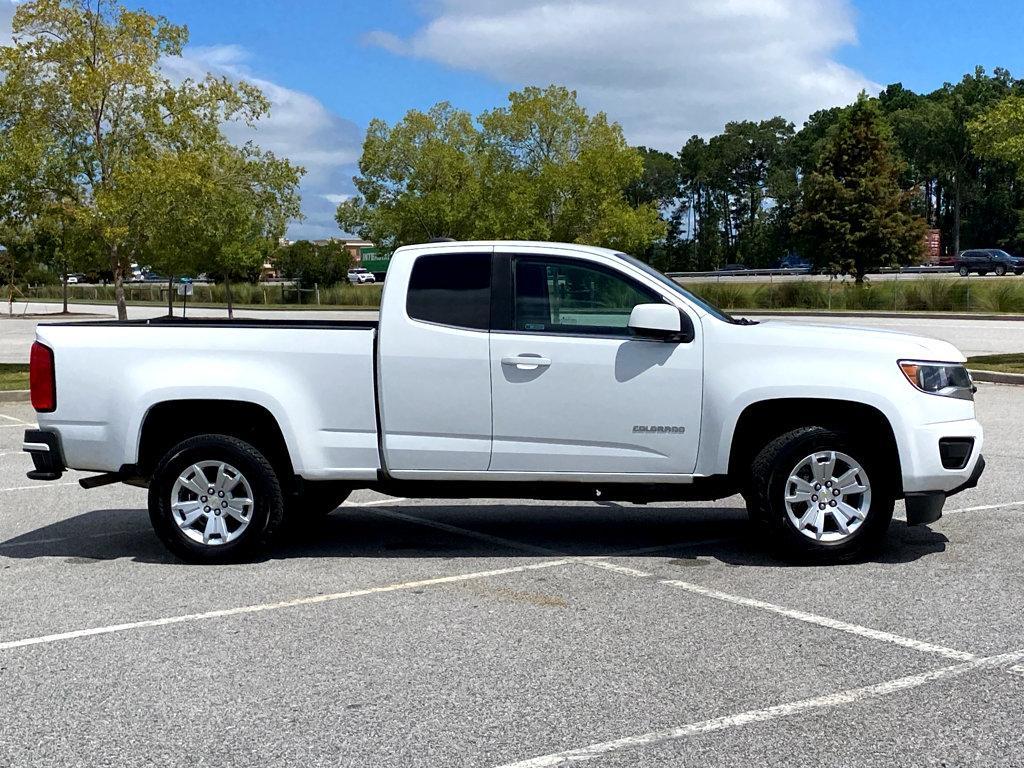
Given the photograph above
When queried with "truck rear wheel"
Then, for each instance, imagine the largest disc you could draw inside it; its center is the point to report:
(214, 499)
(821, 497)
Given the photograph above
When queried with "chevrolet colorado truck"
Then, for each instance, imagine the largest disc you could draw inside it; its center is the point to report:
(508, 370)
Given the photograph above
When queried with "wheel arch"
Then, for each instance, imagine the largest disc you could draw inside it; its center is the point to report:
(764, 420)
(163, 427)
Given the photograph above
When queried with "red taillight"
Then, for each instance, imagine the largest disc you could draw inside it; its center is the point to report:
(42, 378)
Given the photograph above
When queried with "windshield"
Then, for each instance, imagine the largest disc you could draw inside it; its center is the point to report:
(999, 252)
(677, 289)
(358, 269)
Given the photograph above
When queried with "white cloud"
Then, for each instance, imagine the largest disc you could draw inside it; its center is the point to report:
(336, 198)
(7, 8)
(299, 127)
(665, 69)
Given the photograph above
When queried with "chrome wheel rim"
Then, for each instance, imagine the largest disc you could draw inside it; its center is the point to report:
(828, 496)
(212, 503)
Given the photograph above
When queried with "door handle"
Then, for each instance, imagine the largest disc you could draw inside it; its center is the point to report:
(526, 362)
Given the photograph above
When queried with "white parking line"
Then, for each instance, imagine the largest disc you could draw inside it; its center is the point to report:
(22, 425)
(986, 507)
(587, 755)
(77, 537)
(13, 419)
(814, 619)
(372, 503)
(252, 609)
(40, 486)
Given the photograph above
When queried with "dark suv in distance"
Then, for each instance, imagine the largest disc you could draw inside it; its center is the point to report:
(985, 260)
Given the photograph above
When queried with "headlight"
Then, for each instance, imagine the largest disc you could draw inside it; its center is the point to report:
(948, 379)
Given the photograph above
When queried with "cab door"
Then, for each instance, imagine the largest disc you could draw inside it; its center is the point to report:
(574, 392)
(434, 378)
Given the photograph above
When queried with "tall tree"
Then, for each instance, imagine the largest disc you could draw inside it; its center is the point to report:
(540, 167)
(94, 102)
(853, 208)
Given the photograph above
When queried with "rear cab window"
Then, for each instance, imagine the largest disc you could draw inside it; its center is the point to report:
(451, 289)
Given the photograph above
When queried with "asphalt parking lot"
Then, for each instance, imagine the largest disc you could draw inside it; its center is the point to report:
(488, 633)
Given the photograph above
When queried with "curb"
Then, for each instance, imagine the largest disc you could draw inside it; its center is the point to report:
(881, 314)
(14, 396)
(997, 377)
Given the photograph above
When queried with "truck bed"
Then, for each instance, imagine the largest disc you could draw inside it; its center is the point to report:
(316, 378)
(165, 322)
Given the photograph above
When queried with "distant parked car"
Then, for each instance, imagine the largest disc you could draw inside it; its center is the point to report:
(75, 278)
(731, 268)
(794, 262)
(360, 275)
(985, 260)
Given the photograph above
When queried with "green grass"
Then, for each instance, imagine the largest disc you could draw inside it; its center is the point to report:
(1010, 363)
(944, 294)
(13, 376)
(242, 295)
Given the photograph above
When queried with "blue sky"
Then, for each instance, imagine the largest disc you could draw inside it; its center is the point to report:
(665, 69)
(319, 46)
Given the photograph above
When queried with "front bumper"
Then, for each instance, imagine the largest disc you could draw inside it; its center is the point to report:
(47, 457)
(926, 506)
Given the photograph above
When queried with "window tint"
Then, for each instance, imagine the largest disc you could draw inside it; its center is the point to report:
(571, 297)
(453, 289)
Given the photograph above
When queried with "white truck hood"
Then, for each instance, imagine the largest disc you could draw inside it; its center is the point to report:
(869, 340)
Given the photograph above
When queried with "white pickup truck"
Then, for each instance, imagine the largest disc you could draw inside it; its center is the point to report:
(508, 370)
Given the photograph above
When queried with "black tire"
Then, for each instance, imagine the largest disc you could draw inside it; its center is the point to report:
(964, 272)
(1018, 272)
(767, 490)
(265, 514)
(314, 501)
(1000, 270)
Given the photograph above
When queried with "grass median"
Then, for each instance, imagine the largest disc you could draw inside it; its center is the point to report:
(1004, 295)
(13, 376)
(1010, 363)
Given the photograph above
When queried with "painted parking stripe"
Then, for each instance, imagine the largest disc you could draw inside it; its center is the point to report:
(753, 603)
(797, 614)
(977, 508)
(264, 607)
(587, 755)
(538, 549)
(40, 486)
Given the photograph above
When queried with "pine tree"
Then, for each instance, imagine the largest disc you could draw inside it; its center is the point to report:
(854, 216)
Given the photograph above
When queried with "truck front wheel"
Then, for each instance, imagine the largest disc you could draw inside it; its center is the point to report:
(821, 497)
(214, 498)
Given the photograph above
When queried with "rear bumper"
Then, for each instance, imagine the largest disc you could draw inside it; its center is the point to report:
(47, 457)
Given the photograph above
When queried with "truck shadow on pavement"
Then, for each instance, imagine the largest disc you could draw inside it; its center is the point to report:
(692, 535)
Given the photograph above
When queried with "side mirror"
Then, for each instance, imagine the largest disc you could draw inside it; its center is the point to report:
(661, 321)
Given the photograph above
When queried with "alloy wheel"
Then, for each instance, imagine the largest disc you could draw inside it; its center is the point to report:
(212, 502)
(827, 496)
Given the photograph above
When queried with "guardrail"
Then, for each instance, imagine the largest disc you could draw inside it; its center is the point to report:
(768, 272)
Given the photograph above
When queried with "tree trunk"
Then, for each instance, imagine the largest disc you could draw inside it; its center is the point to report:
(227, 294)
(118, 268)
(64, 291)
(170, 297)
(956, 216)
